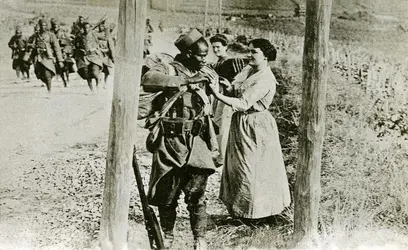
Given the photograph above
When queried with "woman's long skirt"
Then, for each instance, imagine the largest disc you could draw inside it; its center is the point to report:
(254, 182)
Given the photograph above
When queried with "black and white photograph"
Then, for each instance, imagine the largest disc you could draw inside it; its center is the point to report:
(203, 124)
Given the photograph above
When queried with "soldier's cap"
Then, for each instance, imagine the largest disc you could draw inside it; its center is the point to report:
(184, 42)
(41, 21)
(219, 38)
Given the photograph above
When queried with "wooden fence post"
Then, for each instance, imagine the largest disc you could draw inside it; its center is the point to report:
(220, 15)
(205, 18)
(128, 63)
(312, 120)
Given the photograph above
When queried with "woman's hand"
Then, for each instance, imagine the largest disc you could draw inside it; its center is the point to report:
(224, 82)
(210, 73)
(214, 88)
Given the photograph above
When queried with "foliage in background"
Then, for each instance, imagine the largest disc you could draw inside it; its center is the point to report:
(364, 162)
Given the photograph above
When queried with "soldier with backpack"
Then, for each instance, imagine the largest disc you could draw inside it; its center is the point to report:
(46, 53)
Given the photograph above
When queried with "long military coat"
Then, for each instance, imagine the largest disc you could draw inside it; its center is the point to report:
(87, 50)
(46, 50)
(106, 45)
(18, 46)
(183, 150)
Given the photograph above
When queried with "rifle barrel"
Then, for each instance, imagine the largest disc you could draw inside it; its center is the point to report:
(139, 180)
(151, 223)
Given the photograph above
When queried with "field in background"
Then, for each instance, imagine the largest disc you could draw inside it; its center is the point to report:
(364, 174)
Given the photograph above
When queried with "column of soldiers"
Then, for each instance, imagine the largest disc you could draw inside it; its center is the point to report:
(54, 52)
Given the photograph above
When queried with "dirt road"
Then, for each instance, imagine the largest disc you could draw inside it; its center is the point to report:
(53, 158)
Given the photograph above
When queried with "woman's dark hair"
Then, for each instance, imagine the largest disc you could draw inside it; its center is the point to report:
(242, 39)
(266, 47)
(219, 38)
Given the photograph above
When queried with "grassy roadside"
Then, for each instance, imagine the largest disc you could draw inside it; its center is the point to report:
(363, 175)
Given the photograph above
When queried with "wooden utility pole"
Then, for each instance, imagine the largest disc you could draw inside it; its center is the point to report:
(128, 66)
(312, 119)
(220, 15)
(206, 17)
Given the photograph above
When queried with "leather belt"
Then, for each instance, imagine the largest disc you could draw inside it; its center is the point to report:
(181, 126)
(176, 126)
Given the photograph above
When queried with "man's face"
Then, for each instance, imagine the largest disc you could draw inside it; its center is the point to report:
(102, 27)
(43, 26)
(87, 28)
(19, 33)
(219, 49)
(198, 57)
(80, 20)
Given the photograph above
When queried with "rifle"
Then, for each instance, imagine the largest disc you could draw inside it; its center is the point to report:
(151, 223)
(103, 19)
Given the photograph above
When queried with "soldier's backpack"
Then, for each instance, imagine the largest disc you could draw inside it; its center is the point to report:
(146, 98)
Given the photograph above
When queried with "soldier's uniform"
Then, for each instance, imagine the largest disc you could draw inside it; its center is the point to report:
(64, 41)
(77, 27)
(148, 41)
(20, 63)
(106, 45)
(182, 159)
(46, 53)
(88, 56)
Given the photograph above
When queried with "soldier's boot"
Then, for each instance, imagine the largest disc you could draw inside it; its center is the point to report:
(18, 74)
(105, 83)
(48, 85)
(194, 192)
(64, 80)
(167, 216)
(28, 74)
(168, 239)
(90, 84)
(198, 222)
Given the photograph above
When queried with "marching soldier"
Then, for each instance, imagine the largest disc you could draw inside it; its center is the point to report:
(161, 26)
(18, 46)
(183, 149)
(149, 26)
(64, 40)
(106, 45)
(148, 43)
(77, 27)
(88, 55)
(47, 53)
(54, 24)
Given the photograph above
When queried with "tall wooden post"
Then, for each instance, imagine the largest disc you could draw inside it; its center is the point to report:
(220, 15)
(206, 17)
(312, 119)
(128, 63)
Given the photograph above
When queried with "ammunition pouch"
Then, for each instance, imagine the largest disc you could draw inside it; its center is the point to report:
(181, 126)
(176, 126)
